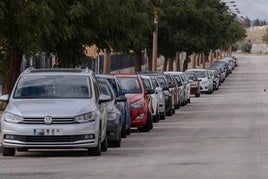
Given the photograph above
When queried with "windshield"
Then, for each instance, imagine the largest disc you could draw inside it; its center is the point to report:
(56, 86)
(154, 82)
(130, 84)
(162, 82)
(201, 74)
(191, 77)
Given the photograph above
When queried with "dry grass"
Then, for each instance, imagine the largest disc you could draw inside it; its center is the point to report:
(255, 34)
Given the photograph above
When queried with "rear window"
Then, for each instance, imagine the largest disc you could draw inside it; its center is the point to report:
(48, 86)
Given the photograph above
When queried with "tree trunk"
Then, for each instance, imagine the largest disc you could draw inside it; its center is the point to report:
(185, 64)
(177, 61)
(198, 59)
(107, 62)
(150, 63)
(194, 60)
(137, 60)
(12, 66)
(170, 64)
(211, 57)
(165, 64)
(203, 61)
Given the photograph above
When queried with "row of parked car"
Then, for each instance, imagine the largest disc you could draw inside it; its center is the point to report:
(75, 108)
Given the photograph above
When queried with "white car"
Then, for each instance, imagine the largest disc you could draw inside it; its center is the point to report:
(206, 81)
(161, 97)
(55, 108)
(184, 85)
(155, 98)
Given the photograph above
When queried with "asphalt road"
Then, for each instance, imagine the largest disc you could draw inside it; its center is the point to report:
(218, 136)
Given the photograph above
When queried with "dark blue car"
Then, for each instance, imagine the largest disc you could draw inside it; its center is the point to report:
(124, 106)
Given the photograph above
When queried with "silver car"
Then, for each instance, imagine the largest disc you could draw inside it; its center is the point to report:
(55, 108)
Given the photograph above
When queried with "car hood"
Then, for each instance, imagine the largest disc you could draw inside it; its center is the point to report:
(54, 108)
(134, 97)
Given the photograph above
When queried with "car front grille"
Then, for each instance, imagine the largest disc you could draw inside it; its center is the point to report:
(54, 121)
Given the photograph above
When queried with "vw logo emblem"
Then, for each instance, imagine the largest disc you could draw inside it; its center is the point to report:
(48, 120)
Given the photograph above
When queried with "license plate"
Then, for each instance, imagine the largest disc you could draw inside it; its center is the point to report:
(47, 132)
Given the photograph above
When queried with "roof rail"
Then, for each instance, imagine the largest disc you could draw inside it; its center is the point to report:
(27, 70)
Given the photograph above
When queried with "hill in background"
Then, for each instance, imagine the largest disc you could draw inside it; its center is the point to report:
(255, 35)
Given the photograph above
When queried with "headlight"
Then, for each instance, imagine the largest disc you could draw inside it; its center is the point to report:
(111, 116)
(137, 104)
(89, 117)
(9, 117)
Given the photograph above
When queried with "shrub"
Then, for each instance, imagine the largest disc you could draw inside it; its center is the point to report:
(246, 47)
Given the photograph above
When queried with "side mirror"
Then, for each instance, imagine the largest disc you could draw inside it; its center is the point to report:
(120, 99)
(149, 91)
(124, 91)
(104, 98)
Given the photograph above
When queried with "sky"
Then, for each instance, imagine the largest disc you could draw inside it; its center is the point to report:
(252, 9)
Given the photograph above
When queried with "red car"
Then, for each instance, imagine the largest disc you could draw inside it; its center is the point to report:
(140, 101)
(194, 82)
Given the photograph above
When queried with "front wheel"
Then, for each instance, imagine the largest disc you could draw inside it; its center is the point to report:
(104, 145)
(8, 151)
(128, 130)
(124, 130)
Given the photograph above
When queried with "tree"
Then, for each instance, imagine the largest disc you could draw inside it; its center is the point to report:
(265, 37)
(246, 47)
(247, 22)
(257, 22)
(23, 25)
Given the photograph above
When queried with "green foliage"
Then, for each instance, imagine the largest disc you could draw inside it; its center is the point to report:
(235, 47)
(246, 47)
(64, 28)
(197, 26)
(265, 37)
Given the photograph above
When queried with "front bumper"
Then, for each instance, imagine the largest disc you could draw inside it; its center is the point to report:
(80, 135)
(113, 130)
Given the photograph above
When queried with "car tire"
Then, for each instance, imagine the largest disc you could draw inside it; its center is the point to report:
(189, 100)
(8, 151)
(128, 130)
(156, 117)
(173, 111)
(163, 116)
(124, 130)
(104, 145)
(115, 143)
(96, 151)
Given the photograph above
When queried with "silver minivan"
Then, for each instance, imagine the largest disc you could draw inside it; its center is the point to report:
(55, 108)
